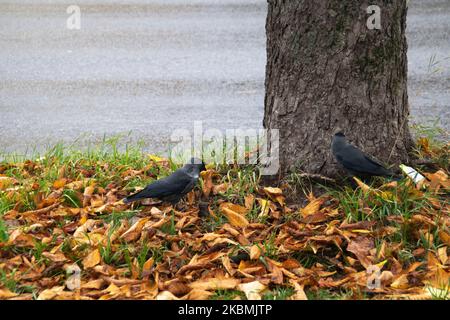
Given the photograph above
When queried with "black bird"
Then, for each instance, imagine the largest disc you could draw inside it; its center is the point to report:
(172, 188)
(355, 161)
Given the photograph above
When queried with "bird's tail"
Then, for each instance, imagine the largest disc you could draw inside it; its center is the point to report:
(134, 197)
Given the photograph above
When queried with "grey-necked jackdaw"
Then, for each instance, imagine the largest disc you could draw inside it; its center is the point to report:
(355, 161)
(173, 187)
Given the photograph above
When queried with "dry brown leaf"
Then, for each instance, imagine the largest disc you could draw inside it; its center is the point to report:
(400, 282)
(197, 294)
(361, 246)
(312, 207)
(166, 295)
(6, 294)
(215, 284)
(235, 218)
(221, 188)
(49, 294)
(135, 231)
(234, 207)
(60, 183)
(87, 195)
(252, 290)
(92, 259)
(276, 194)
(58, 257)
(207, 182)
(249, 201)
(442, 254)
(364, 187)
(93, 284)
(445, 237)
(299, 291)
(255, 252)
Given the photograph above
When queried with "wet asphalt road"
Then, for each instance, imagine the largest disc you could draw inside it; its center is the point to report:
(151, 67)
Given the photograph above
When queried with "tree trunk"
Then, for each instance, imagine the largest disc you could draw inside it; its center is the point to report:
(327, 70)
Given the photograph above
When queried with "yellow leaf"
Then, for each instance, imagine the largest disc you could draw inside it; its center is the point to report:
(215, 284)
(207, 182)
(255, 252)
(235, 218)
(361, 231)
(364, 187)
(276, 194)
(147, 266)
(156, 158)
(401, 282)
(312, 207)
(60, 183)
(49, 294)
(234, 207)
(93, 284)
(5, 182)
(166, 295)
(299, 291)
(135, 231)
(265, 207)
(6, 294)
(273, 191)
(92, 259)
(221, 188)
(445, 237)
(249, 201)
(442, 254)
(196, 294)
(87, 195)
(252, 290)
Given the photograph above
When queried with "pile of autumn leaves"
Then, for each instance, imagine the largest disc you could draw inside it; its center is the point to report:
(64, 251)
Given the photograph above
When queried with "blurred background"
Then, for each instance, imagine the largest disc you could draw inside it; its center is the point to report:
(154, 66)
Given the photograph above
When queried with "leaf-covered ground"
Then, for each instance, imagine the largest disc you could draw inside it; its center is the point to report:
(65, 234)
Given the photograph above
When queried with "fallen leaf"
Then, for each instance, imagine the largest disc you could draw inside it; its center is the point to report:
(135, 231)
(361, 247)
(6, 294)
(235, 218)
(92, 259)
(401, 282)
(215, 284)
(252, 290)
(312, 207)
(60, 183)
(255, 252)
(299, 291)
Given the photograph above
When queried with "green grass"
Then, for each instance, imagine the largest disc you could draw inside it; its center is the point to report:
(359, 205)
(227, 295)
(279, 293)
(325, 294)
(105, 163)
(3, 231)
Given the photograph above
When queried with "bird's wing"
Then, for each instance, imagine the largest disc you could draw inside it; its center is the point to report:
(189, 186)
(354, 159)
(175, 184)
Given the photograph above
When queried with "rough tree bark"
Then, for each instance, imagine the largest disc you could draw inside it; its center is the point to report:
(326, 70)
